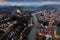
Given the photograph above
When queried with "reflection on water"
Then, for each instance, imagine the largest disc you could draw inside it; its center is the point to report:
(58, 31)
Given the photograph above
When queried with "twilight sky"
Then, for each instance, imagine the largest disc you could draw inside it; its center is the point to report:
(29, 2)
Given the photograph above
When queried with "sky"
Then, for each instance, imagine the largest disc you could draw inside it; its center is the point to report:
(29, 2)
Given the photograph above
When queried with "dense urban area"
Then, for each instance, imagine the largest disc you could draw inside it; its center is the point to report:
(30, 23)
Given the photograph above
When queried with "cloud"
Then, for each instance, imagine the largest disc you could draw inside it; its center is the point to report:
(2, 0)
(29, 0)
(28, 3)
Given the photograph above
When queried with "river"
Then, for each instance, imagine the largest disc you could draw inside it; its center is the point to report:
(58, 31)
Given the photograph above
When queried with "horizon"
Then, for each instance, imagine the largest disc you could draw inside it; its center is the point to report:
(29, 3)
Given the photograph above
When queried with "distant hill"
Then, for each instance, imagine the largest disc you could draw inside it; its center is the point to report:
(9, 9)
(50, 6)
